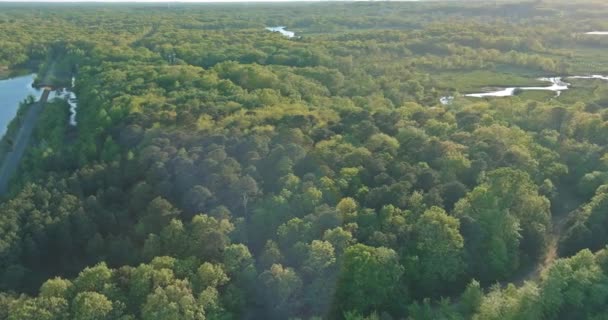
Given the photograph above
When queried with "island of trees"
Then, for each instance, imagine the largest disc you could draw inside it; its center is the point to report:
(222, 171)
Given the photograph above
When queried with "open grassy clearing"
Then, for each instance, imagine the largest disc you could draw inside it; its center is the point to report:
(586, 60)
(474, 81)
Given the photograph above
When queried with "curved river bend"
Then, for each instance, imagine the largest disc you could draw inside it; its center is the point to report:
(281, 29)
(557, 85)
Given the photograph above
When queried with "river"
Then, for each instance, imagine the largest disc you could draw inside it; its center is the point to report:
(557, 85)
(14, 90)
(281, 29)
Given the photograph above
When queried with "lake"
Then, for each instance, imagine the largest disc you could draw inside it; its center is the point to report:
(12, 92)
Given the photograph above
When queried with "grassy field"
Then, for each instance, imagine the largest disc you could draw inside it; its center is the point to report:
(583, 90)
(581, 61)
(538, 95)
(588, 61)
(475, 81)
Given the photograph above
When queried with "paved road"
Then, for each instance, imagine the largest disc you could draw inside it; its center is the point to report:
(13, 158)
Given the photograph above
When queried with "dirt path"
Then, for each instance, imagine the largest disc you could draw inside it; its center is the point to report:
(150, 33)
(535, 272)
(560, 212)
(13, 158)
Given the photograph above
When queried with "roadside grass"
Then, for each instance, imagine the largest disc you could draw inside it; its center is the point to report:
(6, 142)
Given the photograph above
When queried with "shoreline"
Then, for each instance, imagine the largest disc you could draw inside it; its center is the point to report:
(6, 74)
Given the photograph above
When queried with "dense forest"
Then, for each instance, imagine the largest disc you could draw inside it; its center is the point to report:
(222, 171)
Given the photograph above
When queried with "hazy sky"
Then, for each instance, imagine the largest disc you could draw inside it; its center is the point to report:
(164, 0)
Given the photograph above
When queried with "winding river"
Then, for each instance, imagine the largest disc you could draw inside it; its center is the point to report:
(595, 76)
(281, 29)
(557, 85)
(70, 97)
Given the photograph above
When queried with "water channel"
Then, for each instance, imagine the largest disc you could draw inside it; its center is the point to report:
(281, 29)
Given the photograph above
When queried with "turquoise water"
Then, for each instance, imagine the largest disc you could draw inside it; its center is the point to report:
(12, 92)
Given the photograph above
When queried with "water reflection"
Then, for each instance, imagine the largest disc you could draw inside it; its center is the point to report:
(14, 90)
(281, 29)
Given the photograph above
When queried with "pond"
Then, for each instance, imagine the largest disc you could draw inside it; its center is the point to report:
(14, 90)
